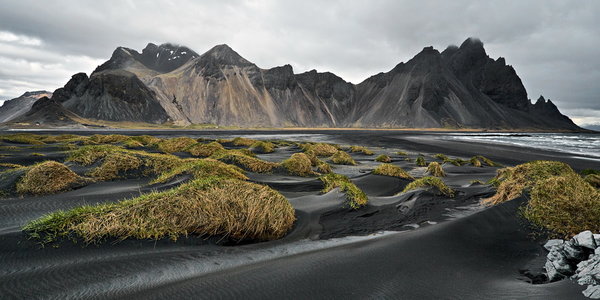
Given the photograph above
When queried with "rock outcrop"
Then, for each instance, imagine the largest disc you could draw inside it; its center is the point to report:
(461, 87)
(577, 258)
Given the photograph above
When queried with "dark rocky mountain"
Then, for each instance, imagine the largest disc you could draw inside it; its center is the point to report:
(12, 109)
(49, 113)
(461, 87)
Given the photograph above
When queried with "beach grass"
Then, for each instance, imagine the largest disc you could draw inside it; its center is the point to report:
(383, 158)
(361, 149)
(435, 169)
(342, 158)
(48, 177)
(393, 171)
(298, 164)
(430, 182)
(354, 195)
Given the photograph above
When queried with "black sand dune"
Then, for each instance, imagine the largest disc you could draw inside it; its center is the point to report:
(459, 250)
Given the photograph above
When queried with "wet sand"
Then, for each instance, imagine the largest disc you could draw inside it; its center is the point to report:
(433, 247)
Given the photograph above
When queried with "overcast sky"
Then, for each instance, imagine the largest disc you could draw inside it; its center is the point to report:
(553, 45)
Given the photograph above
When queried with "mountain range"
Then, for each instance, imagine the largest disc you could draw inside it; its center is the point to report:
(460, 87)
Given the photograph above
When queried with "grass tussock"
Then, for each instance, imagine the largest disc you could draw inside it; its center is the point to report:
(204, 150)
(402, 153)
(98, 139)
(245, 142)
(342, 158)
(23, 138)
(210, 206)
(201, 168)
(323, 167)
(430, 182)
(391, 170)
(593, 180)
(172, 145)
(48, 177)
(565, 205)
(512, 181)
(355, 196)
(244, 161)
(435, 169)
(131, 143)
(442, 157)
(361, 149)
(475, 162)
(320, 149)
(383, 158)
(262, 147)
(420, 161)
(298, 164)
(37, 154)
(487, 161)
(114, 165)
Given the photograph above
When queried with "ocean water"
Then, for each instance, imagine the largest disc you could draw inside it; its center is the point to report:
(578, 144)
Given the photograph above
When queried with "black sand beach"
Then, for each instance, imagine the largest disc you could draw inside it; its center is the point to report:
(416, 245)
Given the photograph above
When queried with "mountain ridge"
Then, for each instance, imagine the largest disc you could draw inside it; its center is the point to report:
(460, 87)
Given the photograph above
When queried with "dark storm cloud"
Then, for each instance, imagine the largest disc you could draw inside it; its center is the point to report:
(553, 45)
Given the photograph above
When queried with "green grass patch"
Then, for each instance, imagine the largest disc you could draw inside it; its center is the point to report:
(391, 170)
(593, 180)
(177, 144)
(298, 164)
(244, 161)
(210, 206)
(200, 168)
(262, 147)
(319, 149)
(98, 139)
(565, 205)
(355, 196)
(361, 149)
(204, 150)
(435, 169)
(511, 182)
(114, 165)
(245, 142)
(430, 182)
(342, 158)
(383, 158)
(420, 161)
(48, 177)
(590, 172)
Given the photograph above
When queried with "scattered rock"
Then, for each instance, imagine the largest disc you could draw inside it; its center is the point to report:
(585, 239)
(592, 291)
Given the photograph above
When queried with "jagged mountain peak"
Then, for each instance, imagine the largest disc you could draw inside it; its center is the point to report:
(36, 94)
(225, 55)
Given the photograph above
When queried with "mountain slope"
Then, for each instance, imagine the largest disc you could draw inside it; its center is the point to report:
(12, 109)
(461, 87)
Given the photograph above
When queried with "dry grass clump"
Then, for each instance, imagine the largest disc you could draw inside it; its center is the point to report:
(244, 161)
(210, 206)
(323, 167)
(178, 144)
(430, 182)
(355, 196)
(475, 162)
(442, 157)
(200, 168)
(391, 170)
(97, 139)
(131, 143)
(420, 161)
(262, 147)
(298, 164)
(342, 158)
(240, 141)
(63, 138)
(512, 181)
(435, 169)
(37, 154)
(152, 163)
(204, 150)
(486, 161)
(361, 149)
(593, 180)
(320, 149)
(402, 153)
(383, 158)
(23, 138)
(47, 178)
(146, 140)
(564, 205)
(114, 165)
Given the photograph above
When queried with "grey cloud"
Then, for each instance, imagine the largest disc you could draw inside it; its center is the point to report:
(553, 45)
